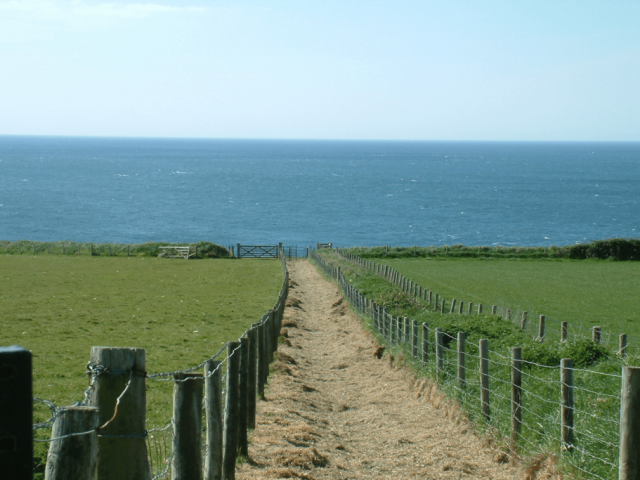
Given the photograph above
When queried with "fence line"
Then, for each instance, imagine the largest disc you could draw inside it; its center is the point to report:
(517, 316)
(529, 409)
(110, 419)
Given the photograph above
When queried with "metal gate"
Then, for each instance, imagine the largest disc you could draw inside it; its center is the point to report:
(257, 251)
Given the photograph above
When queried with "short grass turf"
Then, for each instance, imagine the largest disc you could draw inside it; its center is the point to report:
(180, 311)
(582, 292)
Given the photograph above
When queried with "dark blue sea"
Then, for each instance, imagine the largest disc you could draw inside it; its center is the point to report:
(303, 192)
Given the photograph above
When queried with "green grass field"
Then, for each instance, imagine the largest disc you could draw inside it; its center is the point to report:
(596, 378)
(180, 311)
(584, 292)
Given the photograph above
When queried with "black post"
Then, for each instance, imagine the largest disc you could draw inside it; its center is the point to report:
(16, 418)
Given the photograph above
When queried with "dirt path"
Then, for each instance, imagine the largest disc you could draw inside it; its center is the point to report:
(335, 411)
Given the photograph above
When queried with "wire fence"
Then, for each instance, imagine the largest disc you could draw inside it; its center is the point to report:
(528, 407)
(541, 327)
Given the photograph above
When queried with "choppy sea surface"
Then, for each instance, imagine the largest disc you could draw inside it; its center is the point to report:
(133, 190)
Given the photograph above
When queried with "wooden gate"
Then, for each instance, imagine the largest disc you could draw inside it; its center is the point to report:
(257, 251)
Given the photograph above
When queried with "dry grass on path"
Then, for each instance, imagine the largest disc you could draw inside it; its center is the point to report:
(334, 410)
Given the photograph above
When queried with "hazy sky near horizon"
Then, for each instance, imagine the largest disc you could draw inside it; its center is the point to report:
(348, 69)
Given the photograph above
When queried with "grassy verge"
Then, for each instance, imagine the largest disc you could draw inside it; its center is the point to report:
(180, 311)
(585, 293)
(597, 383)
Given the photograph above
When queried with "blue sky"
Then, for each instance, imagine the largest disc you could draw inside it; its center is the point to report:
(424, 70)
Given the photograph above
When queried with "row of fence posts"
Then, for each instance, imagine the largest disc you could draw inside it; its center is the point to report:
(107, 436)
(439, 304)
(397, 330)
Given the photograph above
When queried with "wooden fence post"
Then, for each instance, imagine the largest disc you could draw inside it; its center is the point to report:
(508, 317)
(213, 412)
(231, 412)
(394, 330)
(414, 338)
(523, 324)
(238, 251)
(425, 343)
(243, 439)
(77, 456)
(461, 308)
(439, 351)
(407, 329)
(436, 302)
(566, 378)
(453, 305)
(16, 417)
(630, 424)
(470, 308)
(443, 305)
(516, 393)
(494, 310)
(595, 335)
(541, 328)
(479, 308)
(91, 254)
(622, 350)
(187, 426)
(121, 458)
(563, 332)
(261, 360)
(253, 368)
(484, 378)
(431, 297)
(461, 358)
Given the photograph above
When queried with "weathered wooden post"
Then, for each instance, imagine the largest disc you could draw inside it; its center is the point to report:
(231, 412)
(407, 329)
(16, 417)
(238, 255)
(425, 343)
(120, 396)
(566, 390)
(595, 335)
(523, 324)
(213, 412)
(253, 369)
(470, 308)
(563, 332)
(453, 305)
(494, 310)
(622, 350)
(128, 250)
(443, 305)
(484, 378)
(461, 358)
(461, 308)
(243, 439)
(414, 338)
(394, 330)
(187, 426)
(91, 253)
(439, 351)
(630, 424)
(75, 456)
(516, 393)
(431, 297)
(541, 328)
(261, 361)
(479, 308)
(508, 317)
(436, 302)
